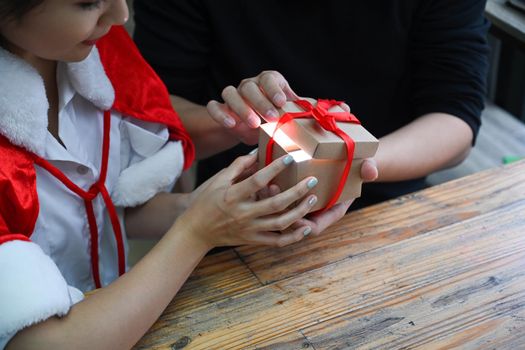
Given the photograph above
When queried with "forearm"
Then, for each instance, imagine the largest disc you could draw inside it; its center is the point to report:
(154, 218)
(208, 136)
(430, 143)
(117, 316)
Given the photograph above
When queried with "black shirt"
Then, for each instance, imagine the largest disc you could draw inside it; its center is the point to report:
(390, 60)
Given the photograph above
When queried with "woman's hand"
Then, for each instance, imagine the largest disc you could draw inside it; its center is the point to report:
(321, 221)
(226, 211)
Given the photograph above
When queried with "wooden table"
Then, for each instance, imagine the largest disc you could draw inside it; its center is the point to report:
(438, 269)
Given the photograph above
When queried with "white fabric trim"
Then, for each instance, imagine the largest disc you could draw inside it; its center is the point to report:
(89, 80)
(23, 100)
(141, 181)
(32, 288)
(23, 103)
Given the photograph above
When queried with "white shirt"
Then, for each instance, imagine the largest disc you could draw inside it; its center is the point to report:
(62, 229)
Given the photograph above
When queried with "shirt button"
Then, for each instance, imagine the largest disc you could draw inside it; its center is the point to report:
(82, 169)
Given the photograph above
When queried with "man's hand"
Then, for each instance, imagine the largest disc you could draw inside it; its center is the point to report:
(320, 222)
(244, 105)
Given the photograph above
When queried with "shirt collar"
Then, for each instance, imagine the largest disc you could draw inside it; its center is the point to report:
(66, 91)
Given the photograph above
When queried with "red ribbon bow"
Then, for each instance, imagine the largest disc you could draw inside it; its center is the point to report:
(328, 121)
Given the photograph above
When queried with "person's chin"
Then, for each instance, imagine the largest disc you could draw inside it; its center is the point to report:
(79, 55)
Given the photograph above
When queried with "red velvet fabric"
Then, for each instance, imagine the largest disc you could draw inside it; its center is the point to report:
(10, 238)
(139, 92)
(19, 200)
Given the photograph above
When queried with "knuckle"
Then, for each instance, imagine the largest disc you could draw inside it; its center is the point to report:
(229, 199)
(277, 205)
(268, 72)
(211, 104)
(281, 242)
(238, 217)
(244, 81)
(246, 85)
(228, 91)
(258, 181)
(239, 161)
(282, 224)
(244, 88)
(266, 78)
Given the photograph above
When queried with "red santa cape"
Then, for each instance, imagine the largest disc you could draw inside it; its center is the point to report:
(32, 287)
(139, 93)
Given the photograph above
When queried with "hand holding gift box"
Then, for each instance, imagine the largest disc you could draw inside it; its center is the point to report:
(326, 142)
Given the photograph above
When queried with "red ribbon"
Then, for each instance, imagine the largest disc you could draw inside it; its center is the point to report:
(328, 121)
(97, 188)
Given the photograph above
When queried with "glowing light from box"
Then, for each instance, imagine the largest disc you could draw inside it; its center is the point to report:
(286, 143)
(280, 137)
(300, 156)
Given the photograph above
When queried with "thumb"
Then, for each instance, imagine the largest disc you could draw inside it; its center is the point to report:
(369, 171)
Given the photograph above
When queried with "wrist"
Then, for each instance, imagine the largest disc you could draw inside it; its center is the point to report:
(189, 233)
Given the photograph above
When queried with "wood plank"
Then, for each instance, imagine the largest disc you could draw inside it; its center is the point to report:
(391, 222)
(219, 276)
(475, 309)
(354, 286)
(290, 341)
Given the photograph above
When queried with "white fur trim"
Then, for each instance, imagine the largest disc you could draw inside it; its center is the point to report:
(23, 100)
(89, 80)
(144, 179)
(23, 103)
(32, 289)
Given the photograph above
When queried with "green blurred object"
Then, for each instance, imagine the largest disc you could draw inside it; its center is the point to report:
(511, 159)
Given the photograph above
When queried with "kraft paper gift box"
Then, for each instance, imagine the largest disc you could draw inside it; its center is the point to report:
(317, 152)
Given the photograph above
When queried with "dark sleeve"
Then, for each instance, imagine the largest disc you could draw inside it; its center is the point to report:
(449, 54)
(173, 36)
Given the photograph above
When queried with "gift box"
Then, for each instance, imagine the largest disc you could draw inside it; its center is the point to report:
(325, 141)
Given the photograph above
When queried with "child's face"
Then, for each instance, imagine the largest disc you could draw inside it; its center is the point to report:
(63, 30)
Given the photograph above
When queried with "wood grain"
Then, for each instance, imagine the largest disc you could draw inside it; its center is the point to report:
(387, 223)
(442, 268)
(218, 277)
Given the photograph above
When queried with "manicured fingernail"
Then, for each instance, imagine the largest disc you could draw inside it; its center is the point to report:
(254, 121)
(253, 151)
(229, 122)
(312, 183)
(312, 200)
(272, 114)
(288, 160)
(279, 99)
(307, 231)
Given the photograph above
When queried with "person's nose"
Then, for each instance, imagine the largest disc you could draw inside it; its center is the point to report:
(117, 13)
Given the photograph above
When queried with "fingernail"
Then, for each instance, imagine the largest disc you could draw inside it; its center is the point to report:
(254, 121)
(312, 183)
(229, 122)
(288, 160)
(312, 200)
(279, 99)
(307, 231)
(272, 114)
(253, 151)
